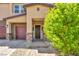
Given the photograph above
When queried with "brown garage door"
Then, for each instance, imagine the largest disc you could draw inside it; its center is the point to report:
(21, 31)
(2, 32)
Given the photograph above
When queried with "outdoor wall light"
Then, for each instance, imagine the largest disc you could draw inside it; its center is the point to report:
(7, 26)
(38, 9)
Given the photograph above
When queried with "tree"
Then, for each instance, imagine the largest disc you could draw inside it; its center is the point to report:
(61, 28)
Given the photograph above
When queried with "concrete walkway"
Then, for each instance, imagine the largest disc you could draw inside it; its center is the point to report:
(18, 48)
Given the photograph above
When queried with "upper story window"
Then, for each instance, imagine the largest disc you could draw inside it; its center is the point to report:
(18, 8)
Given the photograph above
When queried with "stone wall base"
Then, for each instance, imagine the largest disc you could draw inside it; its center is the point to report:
(8, 36)
(29, 36)
(28, 39)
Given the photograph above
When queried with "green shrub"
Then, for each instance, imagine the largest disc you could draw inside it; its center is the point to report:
(61, 27)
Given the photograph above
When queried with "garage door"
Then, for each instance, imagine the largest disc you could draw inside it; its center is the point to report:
(21, 31)
(2, 32)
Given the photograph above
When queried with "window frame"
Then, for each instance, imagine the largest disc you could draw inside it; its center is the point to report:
(20, 8)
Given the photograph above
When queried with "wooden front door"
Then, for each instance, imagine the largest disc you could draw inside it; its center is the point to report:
(21, 31)
(37, 31)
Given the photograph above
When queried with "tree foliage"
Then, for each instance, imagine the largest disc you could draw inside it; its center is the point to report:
(61, 27)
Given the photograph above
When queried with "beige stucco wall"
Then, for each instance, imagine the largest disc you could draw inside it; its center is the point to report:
(17, 19)
(4, 10)
(33, 13)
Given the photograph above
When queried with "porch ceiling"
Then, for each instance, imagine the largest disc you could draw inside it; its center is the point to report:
(37, 19)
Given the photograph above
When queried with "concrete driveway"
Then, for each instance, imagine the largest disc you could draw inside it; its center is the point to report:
(13, 43)
(23, 43)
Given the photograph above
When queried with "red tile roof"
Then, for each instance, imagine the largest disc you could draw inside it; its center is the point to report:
(14, 16)
(45, 4)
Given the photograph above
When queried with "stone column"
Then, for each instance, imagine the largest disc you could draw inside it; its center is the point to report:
(29, 31)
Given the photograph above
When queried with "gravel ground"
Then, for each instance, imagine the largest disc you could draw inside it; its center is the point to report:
(30, 52)
(5, 51)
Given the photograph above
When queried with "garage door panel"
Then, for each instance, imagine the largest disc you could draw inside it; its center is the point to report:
(2, 32)
(21, 32)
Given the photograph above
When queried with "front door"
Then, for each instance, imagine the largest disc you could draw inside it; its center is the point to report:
(37, 32)
(21, 31)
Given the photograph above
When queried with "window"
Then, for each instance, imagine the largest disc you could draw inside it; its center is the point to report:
(22, 9)
(18, 8)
